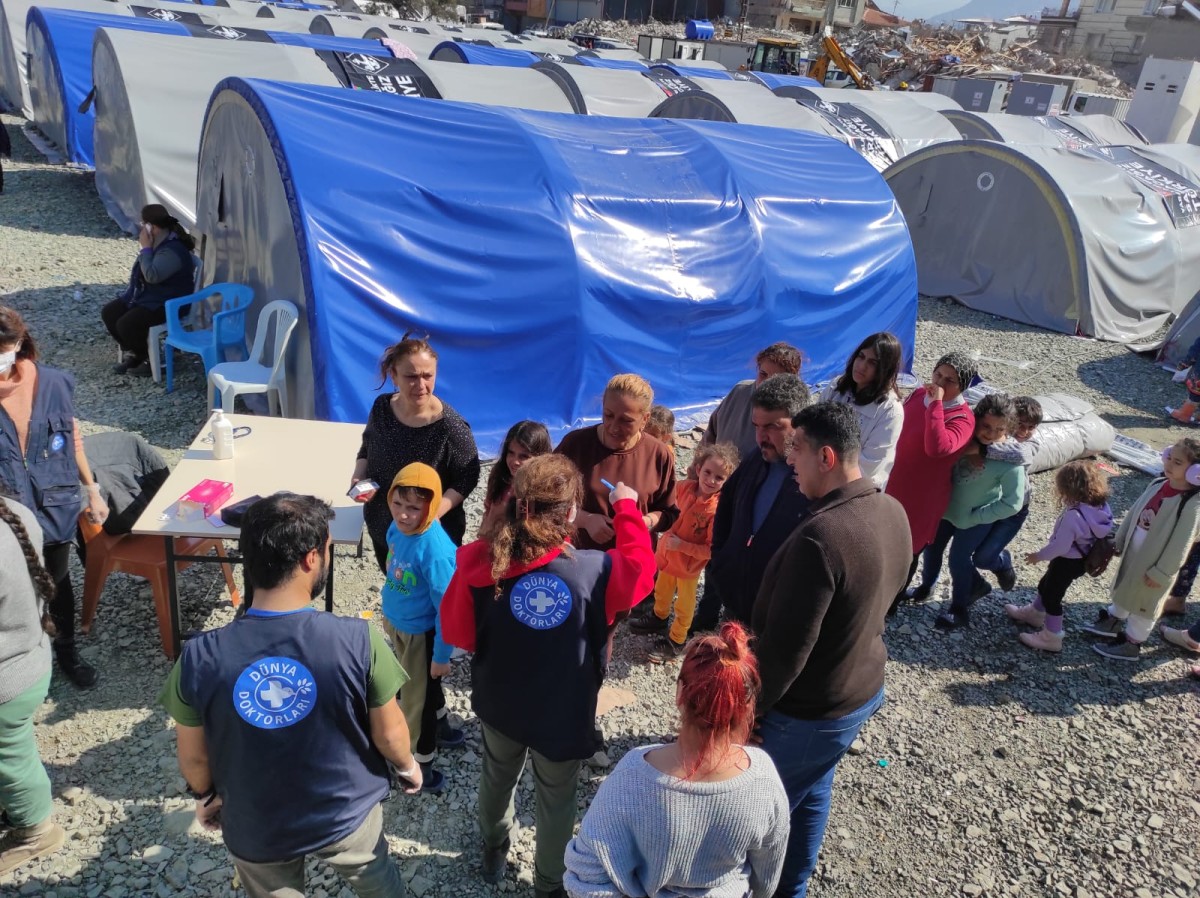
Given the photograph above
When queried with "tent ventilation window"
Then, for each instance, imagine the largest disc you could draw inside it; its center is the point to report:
(221, 203)
(1149, 86)
(1172, 88)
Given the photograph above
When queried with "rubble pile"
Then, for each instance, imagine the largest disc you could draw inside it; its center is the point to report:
(887, 57)
(627, 32)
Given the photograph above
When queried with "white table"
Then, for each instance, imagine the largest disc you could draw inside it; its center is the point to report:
(277, 454)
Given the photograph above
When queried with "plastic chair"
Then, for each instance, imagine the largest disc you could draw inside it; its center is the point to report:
(231, 379)
(145, 557)
(228, 326)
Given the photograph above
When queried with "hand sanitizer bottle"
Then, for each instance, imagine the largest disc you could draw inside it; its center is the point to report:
(222, 435)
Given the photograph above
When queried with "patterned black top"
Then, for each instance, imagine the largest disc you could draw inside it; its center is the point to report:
(446, 445)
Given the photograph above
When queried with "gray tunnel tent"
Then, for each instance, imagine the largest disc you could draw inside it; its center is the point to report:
(146, 140)
(1183, 333)
(14, 84)
(592, 91)
(1043, 130)
(752, 104)
(869, 99)
(421, 45)
(1080, 241)
(346, 26)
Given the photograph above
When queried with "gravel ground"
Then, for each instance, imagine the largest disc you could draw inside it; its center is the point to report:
(990, 771)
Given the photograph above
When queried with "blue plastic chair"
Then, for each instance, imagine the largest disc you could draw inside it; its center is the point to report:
(228, 326)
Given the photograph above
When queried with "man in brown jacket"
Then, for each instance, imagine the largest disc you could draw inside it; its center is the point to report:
(819, 620)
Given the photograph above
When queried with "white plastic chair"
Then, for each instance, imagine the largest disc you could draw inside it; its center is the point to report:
(258, 374)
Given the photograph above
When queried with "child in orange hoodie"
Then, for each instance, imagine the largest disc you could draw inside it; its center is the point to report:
(684, 551)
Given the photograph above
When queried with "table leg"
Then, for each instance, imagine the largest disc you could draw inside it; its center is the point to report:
(329, 583)
(173, 596)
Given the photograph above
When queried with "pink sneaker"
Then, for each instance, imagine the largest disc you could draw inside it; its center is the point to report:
(1042, 640)
(1026, 614)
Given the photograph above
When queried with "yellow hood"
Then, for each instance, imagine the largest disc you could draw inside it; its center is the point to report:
(425, 477)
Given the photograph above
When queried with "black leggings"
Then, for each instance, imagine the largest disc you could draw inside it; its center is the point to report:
(62, 606)
(130, 325)
(1061, 573)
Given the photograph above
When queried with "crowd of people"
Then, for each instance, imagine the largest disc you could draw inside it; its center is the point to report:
(807, 518)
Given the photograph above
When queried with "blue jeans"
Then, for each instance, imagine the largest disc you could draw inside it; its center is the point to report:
(992, 554)
(806, 754)
(966, 556)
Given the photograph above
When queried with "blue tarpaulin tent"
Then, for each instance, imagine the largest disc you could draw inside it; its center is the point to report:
(693, 71)
(772, 81)
(598, 62)
(478, 54)
(61, 65)
(675, 249)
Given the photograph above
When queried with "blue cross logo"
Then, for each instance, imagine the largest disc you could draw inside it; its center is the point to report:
(540, 601)
(275, 692)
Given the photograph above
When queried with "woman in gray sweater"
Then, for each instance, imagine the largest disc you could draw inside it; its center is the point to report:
(25, 588)
(703, 816)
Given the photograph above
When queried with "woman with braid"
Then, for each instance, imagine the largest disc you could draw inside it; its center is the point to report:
(536, 612)
(25, 629)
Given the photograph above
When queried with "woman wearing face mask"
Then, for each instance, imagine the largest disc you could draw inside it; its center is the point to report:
(164, 270)
(42, 462)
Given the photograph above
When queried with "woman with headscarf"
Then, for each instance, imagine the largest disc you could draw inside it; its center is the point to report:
(937, 426)
(164, 270)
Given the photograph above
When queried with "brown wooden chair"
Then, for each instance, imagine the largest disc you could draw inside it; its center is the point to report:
(145, 557)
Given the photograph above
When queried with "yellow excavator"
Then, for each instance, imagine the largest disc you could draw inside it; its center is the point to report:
(832, 53)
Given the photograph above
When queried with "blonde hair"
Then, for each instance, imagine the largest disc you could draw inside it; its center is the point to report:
(633, 386)
(545, 489)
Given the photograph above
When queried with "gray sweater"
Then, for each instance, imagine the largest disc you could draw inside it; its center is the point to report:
(650, 834)
(24, 647)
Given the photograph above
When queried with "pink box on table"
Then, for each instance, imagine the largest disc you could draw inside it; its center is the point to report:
(204, 499)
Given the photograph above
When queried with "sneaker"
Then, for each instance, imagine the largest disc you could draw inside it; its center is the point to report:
(141, 370)
(649, 624)
(494, 862)
(1042, 640)
(980, 590)
(1026, 614)
(1106, 625)
(1180, 638)
(74, 668)
(129, 360)
(1120, 649)
(449, 736)
(432, 781)
(1007, 578)
(952, 620)
(665, 651)
(919, 593)
(26, 843)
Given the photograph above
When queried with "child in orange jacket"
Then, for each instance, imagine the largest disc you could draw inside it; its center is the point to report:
(684, 551)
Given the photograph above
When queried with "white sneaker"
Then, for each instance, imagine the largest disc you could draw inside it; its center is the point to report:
(1042, 640)
(1026, 614)
(1180, 638)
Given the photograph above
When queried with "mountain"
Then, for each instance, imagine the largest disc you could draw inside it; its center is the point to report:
(993, 9)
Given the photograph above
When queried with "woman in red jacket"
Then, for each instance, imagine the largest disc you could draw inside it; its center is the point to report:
(536, 613)
(938, 424)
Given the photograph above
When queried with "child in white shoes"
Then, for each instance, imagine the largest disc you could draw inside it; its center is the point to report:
(1083, 491)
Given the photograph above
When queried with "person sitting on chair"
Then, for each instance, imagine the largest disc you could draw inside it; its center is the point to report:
(164, 270)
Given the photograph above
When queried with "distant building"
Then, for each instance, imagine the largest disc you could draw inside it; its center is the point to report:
(1120, 34)
(874, 17)
(1001, 34)
(804, 16)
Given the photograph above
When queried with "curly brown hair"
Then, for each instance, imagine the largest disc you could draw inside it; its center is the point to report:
(545, 489)
(726, 453)
(1081, 483)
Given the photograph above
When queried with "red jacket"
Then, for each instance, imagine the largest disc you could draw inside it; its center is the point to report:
(931, 441)
(631, 579)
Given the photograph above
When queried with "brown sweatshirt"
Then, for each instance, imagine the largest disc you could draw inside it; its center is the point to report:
(819, 615)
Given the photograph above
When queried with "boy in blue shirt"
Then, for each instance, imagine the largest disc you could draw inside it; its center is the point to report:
(420, 563)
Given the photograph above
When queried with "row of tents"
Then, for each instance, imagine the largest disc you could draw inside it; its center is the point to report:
(503, 194)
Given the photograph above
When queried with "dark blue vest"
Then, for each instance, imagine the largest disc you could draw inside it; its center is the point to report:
(284, 703)
(46, 480)
(539, 655)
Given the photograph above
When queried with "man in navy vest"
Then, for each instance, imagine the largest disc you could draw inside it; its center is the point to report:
(287, 717)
